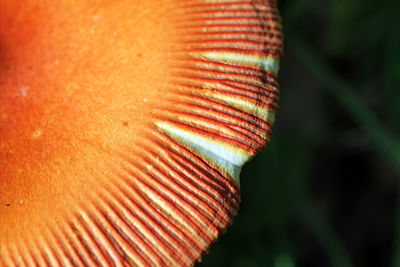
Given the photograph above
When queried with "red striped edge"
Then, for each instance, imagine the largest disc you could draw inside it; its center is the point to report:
(167, 208)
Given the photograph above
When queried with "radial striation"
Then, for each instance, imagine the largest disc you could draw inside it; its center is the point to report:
(124, 126)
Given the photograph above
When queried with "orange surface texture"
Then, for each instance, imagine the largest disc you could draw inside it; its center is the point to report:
(72, 74)
(86, 177)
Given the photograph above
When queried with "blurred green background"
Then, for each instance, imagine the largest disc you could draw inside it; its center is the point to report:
(326, 191)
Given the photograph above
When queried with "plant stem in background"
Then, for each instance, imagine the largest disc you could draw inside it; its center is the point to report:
(319, 224)
(344, 94)
(354, 106)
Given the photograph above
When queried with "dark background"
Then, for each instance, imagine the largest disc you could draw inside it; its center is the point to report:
(326, 191)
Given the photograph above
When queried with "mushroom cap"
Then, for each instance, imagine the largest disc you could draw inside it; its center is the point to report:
(124, 125)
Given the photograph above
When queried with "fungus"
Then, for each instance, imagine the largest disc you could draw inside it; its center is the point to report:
(124, 125)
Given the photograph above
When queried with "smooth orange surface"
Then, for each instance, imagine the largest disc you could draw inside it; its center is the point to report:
(77, 80)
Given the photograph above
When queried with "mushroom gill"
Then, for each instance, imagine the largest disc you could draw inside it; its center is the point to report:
(124, 125)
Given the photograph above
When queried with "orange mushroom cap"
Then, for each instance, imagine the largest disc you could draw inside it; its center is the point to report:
(124, 125)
